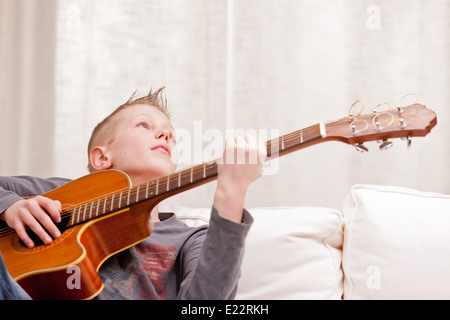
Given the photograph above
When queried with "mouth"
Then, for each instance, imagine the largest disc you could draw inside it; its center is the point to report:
(162, 148)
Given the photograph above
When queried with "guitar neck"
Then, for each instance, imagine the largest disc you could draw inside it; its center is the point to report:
(414, 120)
(165, 186)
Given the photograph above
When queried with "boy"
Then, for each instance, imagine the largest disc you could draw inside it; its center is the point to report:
(175, 262)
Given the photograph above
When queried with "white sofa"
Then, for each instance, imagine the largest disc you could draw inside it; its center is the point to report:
(386, 243)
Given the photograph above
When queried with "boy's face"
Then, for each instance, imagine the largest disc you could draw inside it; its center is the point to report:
(144, 146)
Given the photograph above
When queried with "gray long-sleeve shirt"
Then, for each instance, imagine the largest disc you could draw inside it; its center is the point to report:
(174, 262)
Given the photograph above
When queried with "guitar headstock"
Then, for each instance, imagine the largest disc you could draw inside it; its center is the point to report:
(403, 122)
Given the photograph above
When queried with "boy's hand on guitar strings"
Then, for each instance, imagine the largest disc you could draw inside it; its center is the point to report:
(35, 213)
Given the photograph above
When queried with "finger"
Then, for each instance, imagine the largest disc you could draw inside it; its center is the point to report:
(251, 141)
(22, 233)
(37, 210)
(53, 207)
(228, 156)
(252, 147)
(37, 228)
(240, 149)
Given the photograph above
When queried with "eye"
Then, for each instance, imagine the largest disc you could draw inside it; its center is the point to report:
(144, 125)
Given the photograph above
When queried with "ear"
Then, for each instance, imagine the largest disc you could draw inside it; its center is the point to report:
(100, 159)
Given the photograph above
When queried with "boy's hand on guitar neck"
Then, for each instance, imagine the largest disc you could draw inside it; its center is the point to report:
(35, 213)
(241, 165)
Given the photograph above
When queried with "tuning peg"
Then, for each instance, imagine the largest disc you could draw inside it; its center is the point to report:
(408, 141)
(378, 128)
(360, 147)
(385, 145)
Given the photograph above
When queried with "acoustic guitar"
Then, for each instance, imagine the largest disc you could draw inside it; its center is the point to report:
(98, 222)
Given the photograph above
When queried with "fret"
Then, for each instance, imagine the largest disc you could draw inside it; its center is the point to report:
(192, 169)
(153, 192)
(78, 215)
(73, 215)
(168, 179)
(120, 200)
(301, 136)
(204, 171)
(84, 213)
(98, 205)
(104, 204)
(90, 211)
(323, 131)
(146, 190)
(137, 193)
(128, 197)
(112, 201)
(149, 193)
(179, 179)
(274, 147)
(157, 186)
(282, 142)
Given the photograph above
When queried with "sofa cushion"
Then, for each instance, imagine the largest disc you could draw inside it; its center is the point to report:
(291, 252)
(396, 244)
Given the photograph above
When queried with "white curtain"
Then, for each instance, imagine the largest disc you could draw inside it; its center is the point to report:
(27, 96)
(272, 66)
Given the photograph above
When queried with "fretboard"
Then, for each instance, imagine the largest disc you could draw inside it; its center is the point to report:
(295, 140)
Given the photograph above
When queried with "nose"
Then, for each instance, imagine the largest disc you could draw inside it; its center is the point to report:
(162, 134)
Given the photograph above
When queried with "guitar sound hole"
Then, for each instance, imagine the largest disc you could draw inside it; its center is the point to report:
(35, 238)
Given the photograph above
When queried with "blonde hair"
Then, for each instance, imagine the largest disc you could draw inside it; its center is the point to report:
(103, 132)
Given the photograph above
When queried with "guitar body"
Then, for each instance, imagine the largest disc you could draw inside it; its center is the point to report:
(67, 268)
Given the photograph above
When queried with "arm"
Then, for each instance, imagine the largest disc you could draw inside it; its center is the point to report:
(211, 268)
(35, 213)
(241, 165)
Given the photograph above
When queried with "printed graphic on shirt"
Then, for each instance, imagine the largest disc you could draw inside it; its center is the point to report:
(140, 272)
(157, 261)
